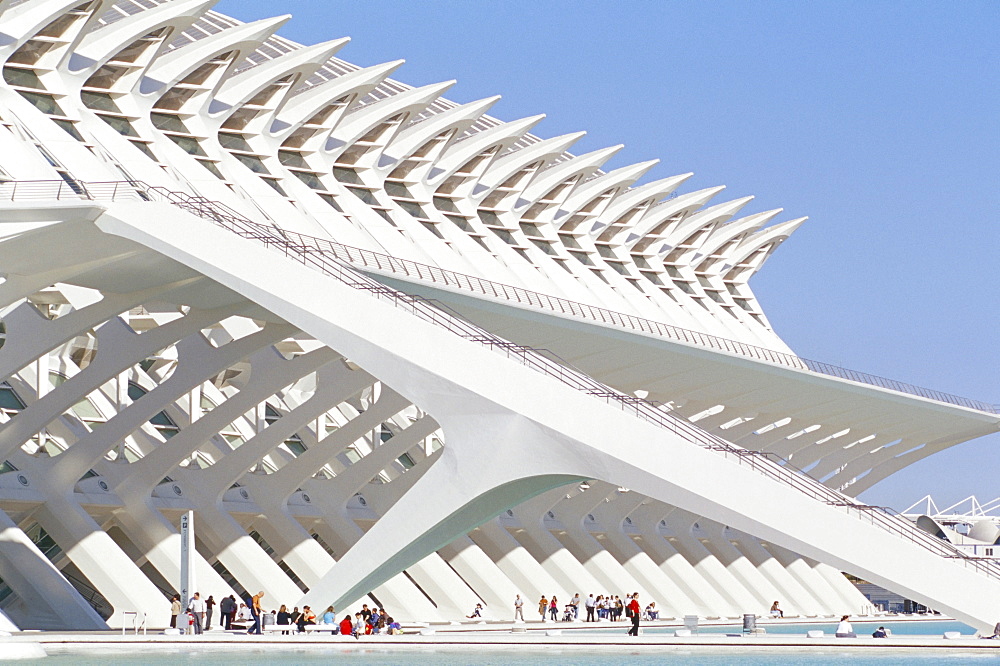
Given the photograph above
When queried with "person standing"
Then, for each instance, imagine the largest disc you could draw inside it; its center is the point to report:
(197, 608)
(175, 610)
(554, 608)
(590, 604)
(233, 607)
(209, 607)
(634, 614)
(518, 608)
(543, 607)
(227, 608)
(575, 603)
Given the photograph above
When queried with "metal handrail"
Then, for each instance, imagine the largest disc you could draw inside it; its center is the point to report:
(385, 263)
(301, 248)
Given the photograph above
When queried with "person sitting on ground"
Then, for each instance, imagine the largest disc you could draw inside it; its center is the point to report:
(476, 612)
(996, 632)
(775, 611)
(374, 620)
(394, 627)
(346, 625)
(651, 611)
(328, 616)
(844, 629)
(307, 617)
(880, 633)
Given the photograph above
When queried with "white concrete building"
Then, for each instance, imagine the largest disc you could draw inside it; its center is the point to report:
(243, 277)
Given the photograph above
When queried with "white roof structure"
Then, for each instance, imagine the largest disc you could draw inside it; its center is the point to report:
(384, 344)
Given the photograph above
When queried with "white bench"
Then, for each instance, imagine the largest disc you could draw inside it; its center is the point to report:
(309, 628)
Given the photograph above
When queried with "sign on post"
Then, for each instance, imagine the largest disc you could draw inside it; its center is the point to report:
(187, 558)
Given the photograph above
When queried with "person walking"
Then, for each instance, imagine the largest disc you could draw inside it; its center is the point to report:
(253, 604)
(633, 611)
(518, 609)
(575, 603)
(175, 610)
(543, 607)
(590, 604)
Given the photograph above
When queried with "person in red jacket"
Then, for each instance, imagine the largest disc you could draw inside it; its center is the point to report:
(634, 612)
(347, 625)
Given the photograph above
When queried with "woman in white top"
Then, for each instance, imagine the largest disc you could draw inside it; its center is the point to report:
(844, 629)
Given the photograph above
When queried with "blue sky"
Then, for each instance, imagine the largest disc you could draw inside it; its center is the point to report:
(878, 120)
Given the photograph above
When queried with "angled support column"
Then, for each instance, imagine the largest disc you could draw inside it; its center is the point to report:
(596, 559)
(705, 598)
(517, 564)
(669, 597)
(46, 600)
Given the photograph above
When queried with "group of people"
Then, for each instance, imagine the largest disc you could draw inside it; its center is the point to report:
(604, 607)
(251, 616)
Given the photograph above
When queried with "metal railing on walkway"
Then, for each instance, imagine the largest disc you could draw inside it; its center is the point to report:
(302, 249)
(387, 264)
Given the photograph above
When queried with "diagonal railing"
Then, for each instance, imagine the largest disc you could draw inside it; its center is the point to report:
(383, 263)
(380, 263)
(300, 248)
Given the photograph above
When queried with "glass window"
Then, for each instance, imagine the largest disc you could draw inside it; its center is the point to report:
(120, 125)
(252, 162)
(505, 236)
(22, 77)
(234, 142)
(99, 101)
(364, 195)
(168, 122)
(347, 175)
(208, 164)
(310, 179)
(413, 209)
(530, 229)
(273, 182)
(44, 103)
(69, 127)
(461, 222)
(291, 159)
(489, 217)
(445, 204)
(618, 266)
(144, 147)
(606, 252)
(9, 399)
(397, 189)
(432, 228)
(330, 199)
(188, 144)
(544, 247)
